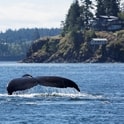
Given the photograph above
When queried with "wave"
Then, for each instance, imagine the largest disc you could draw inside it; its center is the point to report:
(54, 94)
(47, 96)
(53, 98)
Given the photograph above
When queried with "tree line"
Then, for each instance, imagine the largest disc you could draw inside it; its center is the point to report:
(82, 12)
(15, 43)
(27, 34)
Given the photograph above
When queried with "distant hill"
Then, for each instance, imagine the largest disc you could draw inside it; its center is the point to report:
(76, 47)
(15, 43)
(26, 34)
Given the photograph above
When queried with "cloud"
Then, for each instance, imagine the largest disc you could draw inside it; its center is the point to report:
(33, 13)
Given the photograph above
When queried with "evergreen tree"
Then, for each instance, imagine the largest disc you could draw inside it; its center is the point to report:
(78, 17)
(108, 7)
(112, 7)
(121, 13)
(36, 34)
(100, 8)
(86, 14)
(73, 19)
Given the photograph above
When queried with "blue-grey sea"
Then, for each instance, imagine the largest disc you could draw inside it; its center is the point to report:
(101, 100)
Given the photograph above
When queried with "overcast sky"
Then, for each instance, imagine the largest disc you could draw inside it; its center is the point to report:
(17, 14)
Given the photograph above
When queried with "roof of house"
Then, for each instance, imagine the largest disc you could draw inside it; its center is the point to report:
(99, 39)
(108, 17)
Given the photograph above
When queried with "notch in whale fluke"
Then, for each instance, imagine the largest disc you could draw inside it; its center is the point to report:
(27, 82)
(27, 75)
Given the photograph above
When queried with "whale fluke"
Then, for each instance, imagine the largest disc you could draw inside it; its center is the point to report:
(54, 81)
(27, 82)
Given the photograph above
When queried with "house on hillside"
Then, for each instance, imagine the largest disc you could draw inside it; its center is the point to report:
(107, 23)
(98, 41)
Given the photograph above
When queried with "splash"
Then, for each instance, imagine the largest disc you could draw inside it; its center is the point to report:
(48, 92)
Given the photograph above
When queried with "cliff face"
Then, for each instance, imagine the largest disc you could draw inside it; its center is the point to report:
(77, 48)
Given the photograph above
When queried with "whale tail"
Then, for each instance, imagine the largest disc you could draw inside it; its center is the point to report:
(27, 82)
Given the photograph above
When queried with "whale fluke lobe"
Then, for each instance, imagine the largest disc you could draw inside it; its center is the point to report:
(27, 82)
(53, 81)
(19, 84)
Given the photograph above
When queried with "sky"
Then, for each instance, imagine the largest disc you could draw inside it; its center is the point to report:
(16, 14)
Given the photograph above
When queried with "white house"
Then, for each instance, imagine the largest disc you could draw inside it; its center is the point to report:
(98, 41)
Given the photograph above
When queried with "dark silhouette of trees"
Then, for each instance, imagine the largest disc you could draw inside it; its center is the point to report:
(108, 7)
(15, 43)
(86, 13)
(72, 21)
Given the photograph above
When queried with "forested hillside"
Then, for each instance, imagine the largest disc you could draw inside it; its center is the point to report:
(73, 45)
(15, 43)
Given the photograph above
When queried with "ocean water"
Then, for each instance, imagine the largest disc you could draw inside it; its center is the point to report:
(101, 100)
